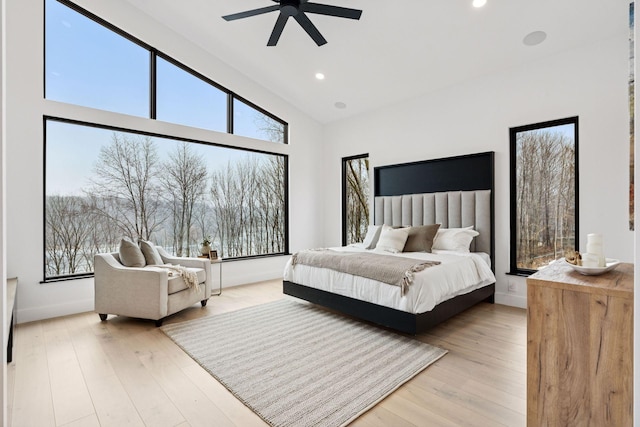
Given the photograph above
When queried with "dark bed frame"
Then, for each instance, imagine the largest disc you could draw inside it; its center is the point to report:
(461, 173)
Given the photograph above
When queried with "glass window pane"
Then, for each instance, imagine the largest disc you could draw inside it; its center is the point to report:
(545, 197)
(187, 100)
(89, 65)
(247, 121)
(183, 192)
(356, 211)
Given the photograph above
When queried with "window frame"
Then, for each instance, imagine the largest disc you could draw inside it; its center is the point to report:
(344, 192)
(513, 133)
(154, 54)
(47, 118)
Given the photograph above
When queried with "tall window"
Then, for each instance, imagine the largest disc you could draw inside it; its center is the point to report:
(355, 198)
(544, 193)
(121, 183)
(105, 182)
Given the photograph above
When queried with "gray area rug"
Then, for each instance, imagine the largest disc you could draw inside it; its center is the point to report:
(295, 364)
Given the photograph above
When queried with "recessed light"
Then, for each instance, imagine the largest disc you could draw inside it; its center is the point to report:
(340, 105)
(479, 3)
(319, 76)
(534, 38)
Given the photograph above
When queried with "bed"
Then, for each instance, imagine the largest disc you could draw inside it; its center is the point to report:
(455, 192)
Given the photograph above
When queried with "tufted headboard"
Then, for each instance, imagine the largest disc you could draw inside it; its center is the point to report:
(453, 191)
(452, 209)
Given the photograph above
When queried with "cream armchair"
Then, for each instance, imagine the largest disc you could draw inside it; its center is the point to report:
(147, 292)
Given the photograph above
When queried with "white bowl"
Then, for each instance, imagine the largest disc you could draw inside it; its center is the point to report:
(595, 271)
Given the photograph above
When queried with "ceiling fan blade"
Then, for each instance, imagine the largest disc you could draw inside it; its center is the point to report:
(249, 13)
(325, 9)
(311, 29)
(277, 30)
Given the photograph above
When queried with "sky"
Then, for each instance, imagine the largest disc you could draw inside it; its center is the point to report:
(89, 65)
(72, 152)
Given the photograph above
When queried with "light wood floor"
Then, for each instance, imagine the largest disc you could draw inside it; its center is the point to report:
(78, 371)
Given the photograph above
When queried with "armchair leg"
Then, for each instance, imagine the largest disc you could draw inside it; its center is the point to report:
(103, 316)
(204, 302)
(159, 322)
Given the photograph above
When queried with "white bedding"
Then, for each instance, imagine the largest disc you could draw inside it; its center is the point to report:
(459, 273)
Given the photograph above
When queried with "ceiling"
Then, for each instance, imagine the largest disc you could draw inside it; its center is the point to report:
(396, 51)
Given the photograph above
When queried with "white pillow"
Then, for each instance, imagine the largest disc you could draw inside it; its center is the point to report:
(454, 239)
(392, 239)
(373, 234)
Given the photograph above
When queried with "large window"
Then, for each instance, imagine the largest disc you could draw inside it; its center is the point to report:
(103, 184)
(90, 62)
(355, 198)
(544, 193)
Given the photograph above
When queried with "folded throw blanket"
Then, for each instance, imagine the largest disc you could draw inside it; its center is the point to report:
(189, 277)
(397, 271)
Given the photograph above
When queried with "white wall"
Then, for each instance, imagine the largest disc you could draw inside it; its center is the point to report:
(3, 273)
(475, 116)
(24, 133)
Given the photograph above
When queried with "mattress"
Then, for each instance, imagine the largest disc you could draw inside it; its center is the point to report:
(458, 273)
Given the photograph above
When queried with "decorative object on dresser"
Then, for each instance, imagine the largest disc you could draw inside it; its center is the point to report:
(295, 364)
(580, 347)
(455, 192)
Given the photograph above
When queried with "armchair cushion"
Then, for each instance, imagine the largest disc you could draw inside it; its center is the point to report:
(177, 284)
(130, 254)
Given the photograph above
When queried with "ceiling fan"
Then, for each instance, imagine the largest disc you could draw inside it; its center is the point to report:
(298, 9)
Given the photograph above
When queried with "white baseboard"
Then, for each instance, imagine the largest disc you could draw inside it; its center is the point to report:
(511, 300)
(56, 310)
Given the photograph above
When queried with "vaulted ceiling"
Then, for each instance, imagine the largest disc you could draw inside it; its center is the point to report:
(396, 51)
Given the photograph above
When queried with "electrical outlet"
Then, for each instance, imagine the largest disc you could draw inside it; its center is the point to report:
(511, 287)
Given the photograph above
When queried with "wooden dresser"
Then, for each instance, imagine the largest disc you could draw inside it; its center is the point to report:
(580, 347)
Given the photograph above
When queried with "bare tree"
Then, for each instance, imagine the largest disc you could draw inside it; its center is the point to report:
(68, 226)
(183, 182)
(273, 130)
(357, 182)
(126, 173)
(247, 200)
(545, 181)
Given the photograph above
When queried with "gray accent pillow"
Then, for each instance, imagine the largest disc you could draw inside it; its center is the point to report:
(130, 254)
(151, 254)
(420, 238)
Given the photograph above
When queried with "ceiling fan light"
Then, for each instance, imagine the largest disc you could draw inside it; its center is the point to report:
(289, 7)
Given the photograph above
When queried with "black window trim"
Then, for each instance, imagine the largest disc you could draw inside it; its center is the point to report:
(573, 120)
(344, 192)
